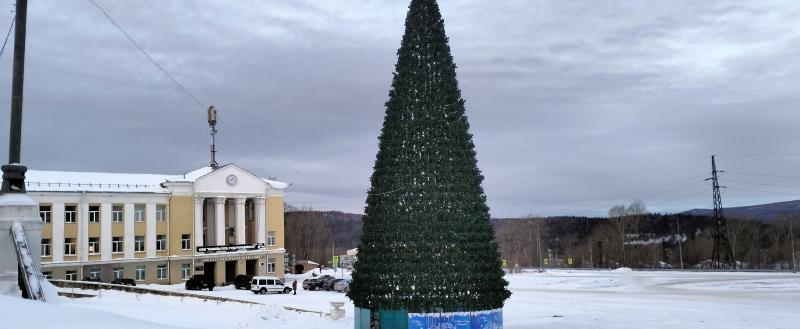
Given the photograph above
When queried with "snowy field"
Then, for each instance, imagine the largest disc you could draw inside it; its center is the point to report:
(553, 299)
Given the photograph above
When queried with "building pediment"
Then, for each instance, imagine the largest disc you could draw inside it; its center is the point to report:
(230, 179)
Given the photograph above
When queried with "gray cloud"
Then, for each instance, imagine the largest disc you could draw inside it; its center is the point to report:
(559, 94)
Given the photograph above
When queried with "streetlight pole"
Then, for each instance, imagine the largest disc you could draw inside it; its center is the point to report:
(539, 246)
(680, 241)
(14, 172)
(791, 239)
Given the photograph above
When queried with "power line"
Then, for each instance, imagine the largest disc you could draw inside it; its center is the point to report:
(651, 191)
(626, 175)
(761, 184)
(8, 34)
(764, 191)
(180, 86)
(761, 175)
(760, 155)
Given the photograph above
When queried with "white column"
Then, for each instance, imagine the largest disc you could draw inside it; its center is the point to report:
(127, 239)
(261, 220)
(105, 231)
(240, 231)
(198, 222)
(57, 242)
(150, 229)
(83, 231)
(219, 221)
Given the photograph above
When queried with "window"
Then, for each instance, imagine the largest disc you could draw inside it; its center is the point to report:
(119, 272)
(186, 241)
(271, 240)
(262, 282)
(140, 273)
(117, 213)
(161, 272)
(138, 213)
(270, 282)
(94, 245)
(138, 243)
(44, 213)
(116, 244)
(161, 213)
(161, 242)
(69, 246)
(70, 212)
(45, 247)
(71, 275)
(271, 265)
(94, 272)
(186, 271)
(94, 214)
(47, 275)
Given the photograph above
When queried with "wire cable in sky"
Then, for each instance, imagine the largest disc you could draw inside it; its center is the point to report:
(738, 188)
(627, 175)
(7, 34)
(761, 175)
(761, 155)
(180, 86)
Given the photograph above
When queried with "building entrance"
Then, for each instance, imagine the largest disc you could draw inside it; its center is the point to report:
(208, 270)
(230, 271)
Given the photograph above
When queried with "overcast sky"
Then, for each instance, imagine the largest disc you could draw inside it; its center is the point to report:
(574, 105)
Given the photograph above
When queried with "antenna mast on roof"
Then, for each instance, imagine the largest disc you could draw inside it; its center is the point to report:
(212, 122)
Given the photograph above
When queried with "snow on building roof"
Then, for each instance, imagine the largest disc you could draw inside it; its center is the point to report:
(69, 181)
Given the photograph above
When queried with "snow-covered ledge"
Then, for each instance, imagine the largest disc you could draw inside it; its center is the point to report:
(17, 207)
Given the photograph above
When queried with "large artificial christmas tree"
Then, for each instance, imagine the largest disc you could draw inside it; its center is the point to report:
(428, 244)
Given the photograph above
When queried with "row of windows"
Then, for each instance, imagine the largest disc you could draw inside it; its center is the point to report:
(116, 244)
(119, 272)
(117, 213)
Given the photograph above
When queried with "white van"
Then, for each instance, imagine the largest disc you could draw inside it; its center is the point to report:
(265, 284)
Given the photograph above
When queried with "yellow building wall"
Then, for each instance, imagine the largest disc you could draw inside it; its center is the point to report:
(181, 221)
(275, 219)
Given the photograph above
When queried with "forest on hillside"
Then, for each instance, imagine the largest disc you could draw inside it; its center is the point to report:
(629, 237)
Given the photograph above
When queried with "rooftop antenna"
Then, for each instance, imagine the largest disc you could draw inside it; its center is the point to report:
(212, 122)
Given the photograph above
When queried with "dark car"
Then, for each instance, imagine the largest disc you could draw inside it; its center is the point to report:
(92, 279)
(312, 284)
(328, 285)
(200, 282)
(124, 282)
(242, 281)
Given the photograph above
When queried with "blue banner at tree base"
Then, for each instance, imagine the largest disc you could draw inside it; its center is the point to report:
(491, 319)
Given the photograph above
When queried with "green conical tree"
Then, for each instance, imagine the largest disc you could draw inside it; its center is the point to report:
(428, 245)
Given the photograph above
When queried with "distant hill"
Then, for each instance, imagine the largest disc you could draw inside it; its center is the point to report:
(764, 212)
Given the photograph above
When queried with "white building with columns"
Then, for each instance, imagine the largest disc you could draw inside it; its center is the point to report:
(159, 228)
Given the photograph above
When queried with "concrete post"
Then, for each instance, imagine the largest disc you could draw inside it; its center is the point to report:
(17, 207)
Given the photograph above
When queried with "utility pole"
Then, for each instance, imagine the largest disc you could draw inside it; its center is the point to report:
(791, 240)
(680, 241)
(722, 255)
(539, 246)
(14, 172)
(19, 214)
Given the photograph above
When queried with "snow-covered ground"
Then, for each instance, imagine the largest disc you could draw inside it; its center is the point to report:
(553, 299)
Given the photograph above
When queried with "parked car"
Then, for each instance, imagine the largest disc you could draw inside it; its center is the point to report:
(265, 284)
(342, 286)
(200, 282)
(312, 284)
(92, 279)
(124, 282)
(242, 281)
(328, 285)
